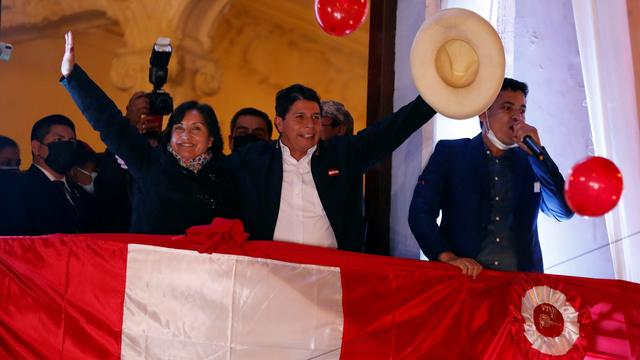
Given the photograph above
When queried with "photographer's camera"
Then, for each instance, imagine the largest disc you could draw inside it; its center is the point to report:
(160, 102)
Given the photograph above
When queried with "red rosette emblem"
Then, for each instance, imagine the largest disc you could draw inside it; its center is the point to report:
(548, 319)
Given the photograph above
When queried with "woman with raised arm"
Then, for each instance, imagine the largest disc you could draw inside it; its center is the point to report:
(181, 182)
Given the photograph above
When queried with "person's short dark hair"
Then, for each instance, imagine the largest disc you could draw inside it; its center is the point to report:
(514, 85)
(43, 126)
(289, 95)
(210, 120)
(7, 142)
(252, 112)
(338, 114)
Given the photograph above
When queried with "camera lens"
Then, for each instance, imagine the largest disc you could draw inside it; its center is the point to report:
(165, 104)
(160, 103)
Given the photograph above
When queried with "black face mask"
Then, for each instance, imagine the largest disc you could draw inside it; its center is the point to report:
(62, 156)
(242, 140)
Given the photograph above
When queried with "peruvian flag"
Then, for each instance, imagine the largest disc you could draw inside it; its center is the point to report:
(211, 295)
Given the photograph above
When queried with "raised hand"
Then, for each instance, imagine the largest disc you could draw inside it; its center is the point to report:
(69, 58)
(522, 129)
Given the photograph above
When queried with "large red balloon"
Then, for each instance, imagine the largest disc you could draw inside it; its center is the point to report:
(341, 17)
(594, 186)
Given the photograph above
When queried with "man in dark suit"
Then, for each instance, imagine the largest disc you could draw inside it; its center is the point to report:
(49, 203)
(9, 197)
(9, 171)
(249, 125)
(9, 154)
(490, 190)
(301, 189)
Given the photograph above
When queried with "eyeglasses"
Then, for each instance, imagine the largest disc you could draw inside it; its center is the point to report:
(327, 121)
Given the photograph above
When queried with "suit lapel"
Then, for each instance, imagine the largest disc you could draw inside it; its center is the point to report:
(50, 203)
(274, 186)
(321, 178)
(43, 185)
(480, 181)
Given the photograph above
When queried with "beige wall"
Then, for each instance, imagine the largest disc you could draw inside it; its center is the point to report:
(30, 90)
(249, 50)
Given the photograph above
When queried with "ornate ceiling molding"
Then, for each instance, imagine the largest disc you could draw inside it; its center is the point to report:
(267, 38)
(186, 22)
(278, 53)
(300, 16)
(22, 13)
(141, 22)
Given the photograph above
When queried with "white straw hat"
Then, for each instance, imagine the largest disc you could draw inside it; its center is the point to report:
(457, 62)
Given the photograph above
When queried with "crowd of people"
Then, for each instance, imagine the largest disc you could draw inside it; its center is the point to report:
(305, 187)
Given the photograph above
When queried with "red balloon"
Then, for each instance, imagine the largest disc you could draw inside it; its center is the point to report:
(341, 17)
(594, 186)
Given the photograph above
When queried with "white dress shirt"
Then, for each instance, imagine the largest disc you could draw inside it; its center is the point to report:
(301, 218)
(67, 190)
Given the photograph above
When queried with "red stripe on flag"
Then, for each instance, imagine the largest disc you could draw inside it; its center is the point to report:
(393, 308)
(398, 308)
(61, 297)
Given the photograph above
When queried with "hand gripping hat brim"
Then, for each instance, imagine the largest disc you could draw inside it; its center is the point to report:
(457, 63)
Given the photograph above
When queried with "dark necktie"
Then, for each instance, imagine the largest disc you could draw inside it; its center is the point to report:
(71, 195)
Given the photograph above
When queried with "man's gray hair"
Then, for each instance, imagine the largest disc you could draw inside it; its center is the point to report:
(338, 113)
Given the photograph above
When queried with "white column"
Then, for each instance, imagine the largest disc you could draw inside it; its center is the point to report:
(410, 158)
(605, 53)
(547, 58)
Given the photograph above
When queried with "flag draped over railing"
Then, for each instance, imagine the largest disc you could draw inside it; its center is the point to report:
(210, 294)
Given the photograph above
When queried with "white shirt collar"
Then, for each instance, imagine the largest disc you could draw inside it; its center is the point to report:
(286, 154)
(50, 176)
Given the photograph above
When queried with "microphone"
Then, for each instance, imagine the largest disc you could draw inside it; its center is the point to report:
(533, 147)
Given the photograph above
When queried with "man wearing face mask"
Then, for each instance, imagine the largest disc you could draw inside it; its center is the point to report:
(9, 180)
(85, 171)
(9, 154)
(51, 203)
(249, 125)
(490, 190)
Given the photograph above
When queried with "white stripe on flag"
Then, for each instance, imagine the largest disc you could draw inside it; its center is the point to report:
(185, 305)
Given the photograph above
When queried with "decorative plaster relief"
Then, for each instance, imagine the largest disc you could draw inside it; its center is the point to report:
(247, 32)
(130, 71)
(207, 79)
(145, 20)
(19, 13)
(277, 53)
